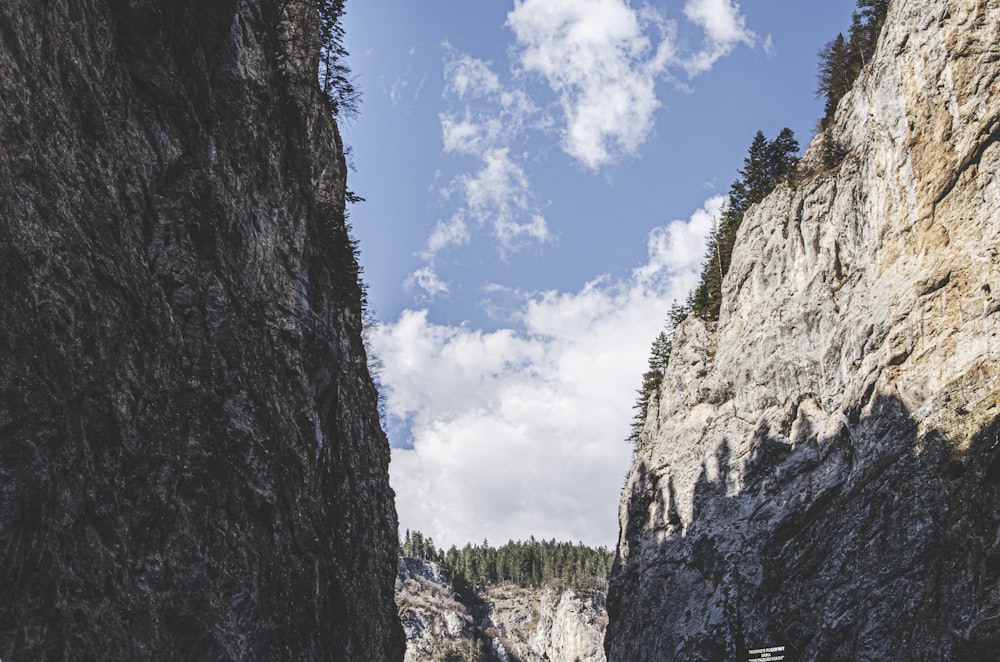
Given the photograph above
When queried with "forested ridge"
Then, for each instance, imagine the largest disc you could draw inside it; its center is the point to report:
(527, 563)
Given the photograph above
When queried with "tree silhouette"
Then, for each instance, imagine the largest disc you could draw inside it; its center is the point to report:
(334, 74)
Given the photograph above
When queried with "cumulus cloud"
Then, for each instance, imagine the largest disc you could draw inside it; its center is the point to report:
(679, 247)
(598, 58)
(602, 59)
(520, 431)
(428, 280)
(724, 28)
(484, 122)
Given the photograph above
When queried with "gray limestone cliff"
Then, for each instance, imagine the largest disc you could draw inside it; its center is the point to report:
(546, 625)
(821, 468)
(191, 462)
(504, 624)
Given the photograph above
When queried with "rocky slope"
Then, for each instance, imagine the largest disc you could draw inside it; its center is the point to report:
(191, 463)
(506, 623)
(821, 469)
(436, 621)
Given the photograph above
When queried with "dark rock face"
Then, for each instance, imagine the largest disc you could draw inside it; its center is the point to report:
(879, 544)
(191, 462)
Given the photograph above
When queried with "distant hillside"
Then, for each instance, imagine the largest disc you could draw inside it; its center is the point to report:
(531, 563)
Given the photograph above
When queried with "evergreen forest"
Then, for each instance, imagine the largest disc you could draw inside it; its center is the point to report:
(531, 563)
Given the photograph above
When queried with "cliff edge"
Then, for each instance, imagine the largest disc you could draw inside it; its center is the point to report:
(820, 469)
(191, 462)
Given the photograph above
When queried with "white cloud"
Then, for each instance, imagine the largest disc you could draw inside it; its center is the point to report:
(497, 195)
(679, 248)
(602, 59)
(499, 183)
(467, 76)
(468, 135)
(724, 28)
(769, 50)
(398, 89)
(520, 431)
(598, 58)
(447, 233)
(513, 233)
(428, 280)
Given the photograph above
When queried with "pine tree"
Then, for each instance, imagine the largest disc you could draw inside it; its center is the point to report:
(837, 71)
(867, 25)
(782, 156)
(659, 357)
(756, 178)
(529, 563)
(767, 164)
(430, 552)
(334, 74)
(841, 60)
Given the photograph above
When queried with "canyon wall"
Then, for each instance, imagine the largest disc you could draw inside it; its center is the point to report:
(820, 469)
(191, 461)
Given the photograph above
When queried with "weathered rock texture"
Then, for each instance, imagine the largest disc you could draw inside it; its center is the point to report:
(546, 626)
(506, 623)
(435, 620)
(191, 463)
(821, 469)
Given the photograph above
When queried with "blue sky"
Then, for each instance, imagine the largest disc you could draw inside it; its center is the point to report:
(539, 177)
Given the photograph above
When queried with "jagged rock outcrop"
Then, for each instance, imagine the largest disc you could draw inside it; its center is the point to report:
(191, 463)
(435, 619)
(821, 469)
(506, 623)
(547, 625)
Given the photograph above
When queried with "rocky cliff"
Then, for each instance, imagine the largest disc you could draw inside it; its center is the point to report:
(504, 624)
(546, 625)
(821, 468)
(437, 622)
(191, 463)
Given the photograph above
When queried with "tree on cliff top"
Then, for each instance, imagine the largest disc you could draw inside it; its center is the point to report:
(842, 59)
(659, 357)
(767, 164)
(334, 74)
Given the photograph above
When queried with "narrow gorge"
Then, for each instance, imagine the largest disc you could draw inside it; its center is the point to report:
(820, 468)
(192, 461)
